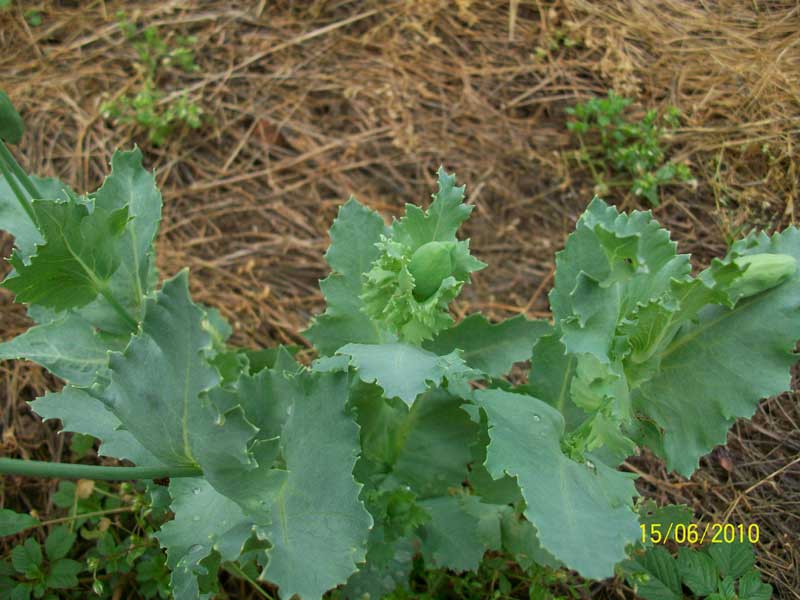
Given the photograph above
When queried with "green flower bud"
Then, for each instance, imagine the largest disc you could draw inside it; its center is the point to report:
(762, 272)
(429, 266)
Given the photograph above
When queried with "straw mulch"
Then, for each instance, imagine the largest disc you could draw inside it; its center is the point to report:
(309, 103)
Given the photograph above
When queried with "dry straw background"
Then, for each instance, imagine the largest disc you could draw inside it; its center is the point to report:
(310, 102)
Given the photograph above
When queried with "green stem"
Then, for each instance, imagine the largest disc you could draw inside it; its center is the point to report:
(36, 468)
(237, 572)
(19, 172)
(586, 153)
(74, 510)
(12, 183)
(97, 513)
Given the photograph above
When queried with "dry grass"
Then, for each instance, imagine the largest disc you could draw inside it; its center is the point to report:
(312, 102)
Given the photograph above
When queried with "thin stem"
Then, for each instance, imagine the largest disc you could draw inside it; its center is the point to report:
(74, 510)
(12, 183)
(97, 513)
(36, 468)
(19, 172)
(71, 518)
(585, 152)
(234, 569)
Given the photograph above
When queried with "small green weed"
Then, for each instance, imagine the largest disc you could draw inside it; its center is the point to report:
(33, 17)
(715, 572)
(145, 107)
(613, 146)
(38, 572)
(107, 554)
(497, 578)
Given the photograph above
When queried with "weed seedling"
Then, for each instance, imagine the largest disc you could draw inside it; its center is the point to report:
(146, 107)
(624, 152)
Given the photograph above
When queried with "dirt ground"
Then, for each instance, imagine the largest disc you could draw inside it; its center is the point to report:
(310, 102)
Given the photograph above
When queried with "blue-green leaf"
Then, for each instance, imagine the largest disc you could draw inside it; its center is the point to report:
(490, 348)
(68, 347)
(159, 386)
(132, 187)
(353, 236)
(80, 412)
(16, 221)
(205, 521)
(426, 447)
(317, 518)
(442, 219)
(452, 539)
(716, 369)
(582, 512)
(402, 370)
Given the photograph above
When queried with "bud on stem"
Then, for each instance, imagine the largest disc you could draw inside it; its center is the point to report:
(430, 265)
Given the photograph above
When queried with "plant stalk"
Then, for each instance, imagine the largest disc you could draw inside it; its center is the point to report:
(19, 172)
(36, 468)
(7, 170)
